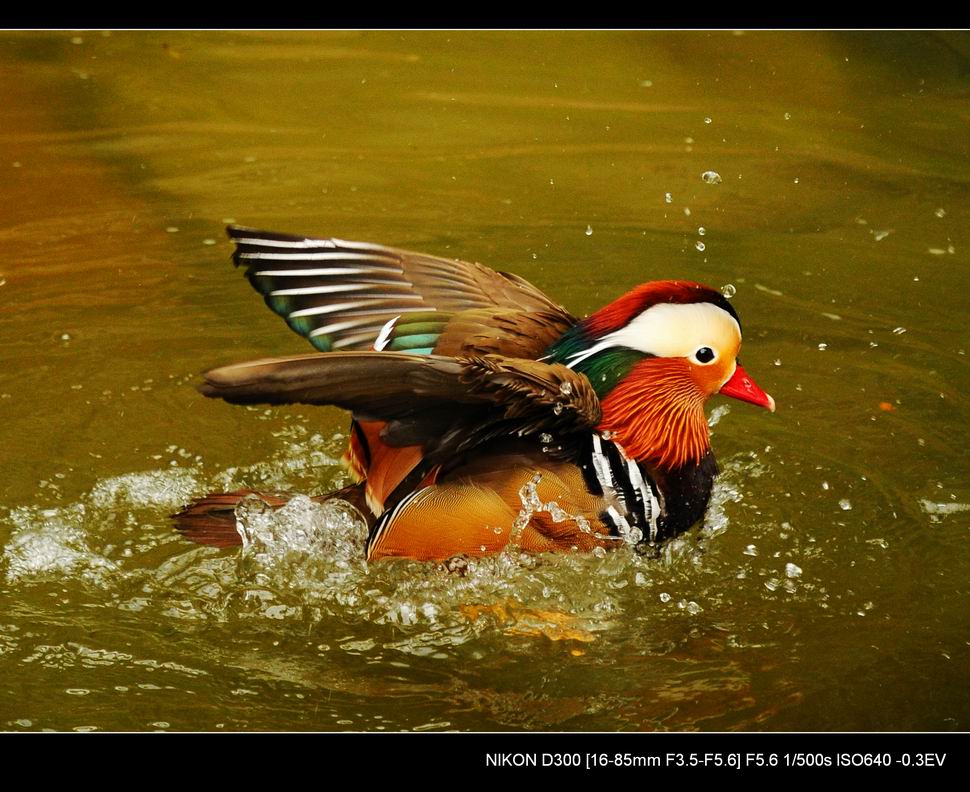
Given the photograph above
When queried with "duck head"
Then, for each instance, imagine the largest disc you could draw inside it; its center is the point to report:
(655, 356)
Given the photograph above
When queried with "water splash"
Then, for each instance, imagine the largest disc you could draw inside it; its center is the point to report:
(51, 544)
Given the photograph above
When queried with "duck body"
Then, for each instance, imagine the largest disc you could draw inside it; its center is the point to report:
(483, 413)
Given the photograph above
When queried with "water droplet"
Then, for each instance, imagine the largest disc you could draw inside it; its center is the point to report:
(941, 212)
(557, 408)
(565, 388)
(825, 485)
(497, 530)
(545, 437)
(788, 116)
(707, 120)
(899, 330)
(936, 251)
(693, 608)
(208, 242)
(668, 198)
(77, 40)
(664, 596)
(729, 290)
(646, 83)
(823, 347)
(589, 230)
(793, 570)
(482, 548)
(796, 180)
(880, 235)
(535, 256)
(699, 245)
(711, 177)
(845, 504)
(599, 552)
(65, 337)
(687, 211)
(701, 231)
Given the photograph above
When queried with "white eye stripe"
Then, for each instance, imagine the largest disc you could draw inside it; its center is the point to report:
(678, 330)
(672, 330)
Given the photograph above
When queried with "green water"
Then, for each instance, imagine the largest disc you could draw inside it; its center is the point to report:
(828, 589)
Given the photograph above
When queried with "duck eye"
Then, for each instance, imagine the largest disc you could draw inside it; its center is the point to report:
(704, 355)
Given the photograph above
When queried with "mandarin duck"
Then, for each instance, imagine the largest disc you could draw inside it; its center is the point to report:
(483, 414)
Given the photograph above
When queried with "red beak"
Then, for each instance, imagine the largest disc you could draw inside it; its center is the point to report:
(742, 387)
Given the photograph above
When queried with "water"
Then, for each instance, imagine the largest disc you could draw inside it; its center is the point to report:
(124, 154)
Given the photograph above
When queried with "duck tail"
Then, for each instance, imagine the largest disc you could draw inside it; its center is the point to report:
(212, 520)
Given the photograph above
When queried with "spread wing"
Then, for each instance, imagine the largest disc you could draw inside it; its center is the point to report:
(359, 296)
(446, 405)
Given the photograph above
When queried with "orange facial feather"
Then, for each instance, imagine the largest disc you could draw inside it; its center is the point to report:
(657, 413)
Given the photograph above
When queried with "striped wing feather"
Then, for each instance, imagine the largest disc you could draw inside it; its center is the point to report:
(341, 295)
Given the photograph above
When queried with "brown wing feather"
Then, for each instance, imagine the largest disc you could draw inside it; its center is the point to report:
(446, 403)
(499, 331)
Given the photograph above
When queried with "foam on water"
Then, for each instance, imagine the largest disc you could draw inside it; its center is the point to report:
(52, 543)
(170, 489)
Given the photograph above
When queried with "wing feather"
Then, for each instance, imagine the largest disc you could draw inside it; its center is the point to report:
(442, 403)
(323, 288)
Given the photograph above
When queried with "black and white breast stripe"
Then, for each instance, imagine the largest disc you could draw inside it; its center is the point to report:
(622, 480)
